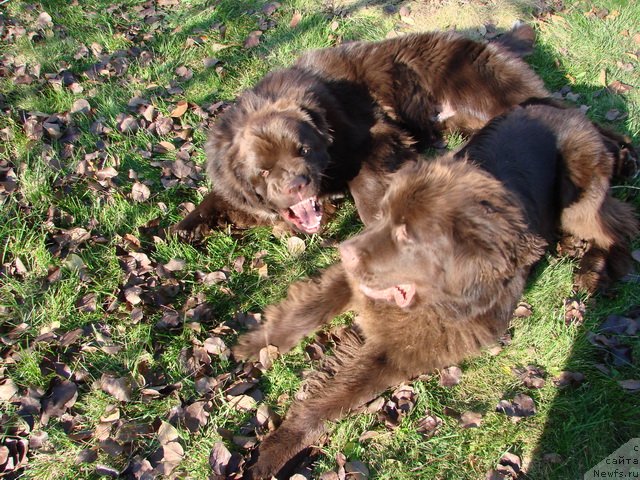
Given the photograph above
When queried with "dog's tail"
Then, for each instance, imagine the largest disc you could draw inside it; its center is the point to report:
(519, 40)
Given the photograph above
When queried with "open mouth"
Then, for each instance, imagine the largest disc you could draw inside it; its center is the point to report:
(305, 215)
(401, 294)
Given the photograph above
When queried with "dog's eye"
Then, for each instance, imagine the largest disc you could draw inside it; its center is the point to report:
(264, 173)
(304, 151)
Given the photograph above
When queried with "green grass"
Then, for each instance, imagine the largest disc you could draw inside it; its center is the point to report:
(582, 424)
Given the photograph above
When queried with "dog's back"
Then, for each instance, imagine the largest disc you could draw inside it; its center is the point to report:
(521, 153)
(560, 166)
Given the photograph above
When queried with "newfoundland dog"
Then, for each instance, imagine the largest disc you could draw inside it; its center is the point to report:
(341, 117)
(438, 274)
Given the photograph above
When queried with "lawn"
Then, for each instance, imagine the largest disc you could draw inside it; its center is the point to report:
(116, 334)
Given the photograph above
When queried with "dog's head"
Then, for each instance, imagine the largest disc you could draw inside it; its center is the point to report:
(268, 157)
(447, 231)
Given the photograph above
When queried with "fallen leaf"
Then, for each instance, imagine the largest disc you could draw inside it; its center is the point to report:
(267, 418)
(195, 416)
(88, 303)
(631, 386)
(450, 376)
(120, 388)
(356, 470)
(140, 192)
(44, 20)
(167, 433)
(470, 419)
(210, 62)
(62, 396)
(267, 355)
(211, 278)
(175, 264)
(167, 458)
(86, 456)
(429, 425)
(127, 124)
(619, 87)
(270, 8)
(531, 376)
(7, 390)
(295, 246)
(81, 106)
(619, 325)
(602, 77)
(253, 40)
(613, 114)
(295, 19)
(219, 460)
(184, 73)
(567, 378)
(243, 403)
(244, 441)
(523, 310)
(521, 406)
(238, 264)
(180, 109)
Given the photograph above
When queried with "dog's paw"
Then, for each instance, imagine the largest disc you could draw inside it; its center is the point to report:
(249, 345)
(275, 451)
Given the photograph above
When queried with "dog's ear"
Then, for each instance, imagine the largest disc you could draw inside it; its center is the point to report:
(226, 160)
(527, 246)
(494, 242)
(519, 40)
(319, 121)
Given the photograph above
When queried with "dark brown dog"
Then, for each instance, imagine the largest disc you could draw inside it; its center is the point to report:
(438, 275)
(308, 131)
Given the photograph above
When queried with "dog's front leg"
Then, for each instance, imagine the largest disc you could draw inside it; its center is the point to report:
(355, 375)
(309, 304)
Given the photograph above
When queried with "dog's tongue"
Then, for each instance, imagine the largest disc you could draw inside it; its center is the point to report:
(402, 294)
(306, 215)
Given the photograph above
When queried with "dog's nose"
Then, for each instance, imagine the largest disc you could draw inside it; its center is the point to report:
(298, 183)
(349, 255)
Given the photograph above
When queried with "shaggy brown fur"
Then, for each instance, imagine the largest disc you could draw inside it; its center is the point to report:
(306, 132)
(439, 274)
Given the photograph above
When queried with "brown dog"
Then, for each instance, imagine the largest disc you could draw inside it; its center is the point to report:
(309, 131)
(438, 275)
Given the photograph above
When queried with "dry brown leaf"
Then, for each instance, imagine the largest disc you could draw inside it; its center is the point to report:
(521, 406)
(253, 40)
(523, 310)
(295, 19)
(470, 419)
(181, 107)
(219, 460)
(7, 390)
(120, 388)
(243, 402)
(631, 386)
(267, 355)
(195, 416)
(81, 106)
(140, 192)
(619, 87)
(602, 77)
(450, 376)
(175, 264)
(295, 246)
(167, 433)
